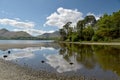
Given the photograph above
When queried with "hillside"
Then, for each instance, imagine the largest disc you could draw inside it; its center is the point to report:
(53, 35)
(5, 34)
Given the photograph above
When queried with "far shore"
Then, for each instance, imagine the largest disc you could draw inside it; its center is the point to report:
(8, 46)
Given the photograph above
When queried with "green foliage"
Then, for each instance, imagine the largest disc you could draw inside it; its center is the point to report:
(75, 37)
(80, 26)
(63, 34)
(102, 35)
(65, 31)
(106, 28)
(88, 33)
(90, 20)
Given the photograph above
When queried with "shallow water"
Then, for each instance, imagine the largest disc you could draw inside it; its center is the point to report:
(100, 62)
(23, 41)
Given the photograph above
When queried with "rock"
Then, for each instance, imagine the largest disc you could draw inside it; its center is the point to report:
(9, 52)
(42, 61)
(5, 56)
(71, 63)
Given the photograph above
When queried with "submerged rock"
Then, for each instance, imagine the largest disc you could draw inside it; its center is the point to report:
(42, 61)
(9, 52)
(71, 63)
(5, 56)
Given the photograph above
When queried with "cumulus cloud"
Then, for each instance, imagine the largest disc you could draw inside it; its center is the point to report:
(62, 16)
(16, 23)
(96, 16)
(26, 26)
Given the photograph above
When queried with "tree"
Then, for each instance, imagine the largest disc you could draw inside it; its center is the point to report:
(80, 26)
(88, 33)
(66, 27)
(90, 20)
(105, 29)
(108, 27)
(63, 34)
(65, 31)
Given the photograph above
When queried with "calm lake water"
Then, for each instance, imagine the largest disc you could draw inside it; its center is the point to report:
(23, 41)
(101, 62)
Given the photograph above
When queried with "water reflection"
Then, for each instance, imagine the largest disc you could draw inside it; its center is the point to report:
(48, 48)
(106, 57)
(19, 53)
(69, 58)
(57, 62)
(83, 54)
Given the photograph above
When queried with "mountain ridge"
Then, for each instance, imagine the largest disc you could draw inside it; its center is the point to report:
(6, 34)
(54, 35)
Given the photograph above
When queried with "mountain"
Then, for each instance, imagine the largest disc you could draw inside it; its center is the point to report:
(53, 35)
(5, 34)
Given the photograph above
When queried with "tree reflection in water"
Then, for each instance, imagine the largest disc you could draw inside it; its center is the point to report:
(107, 57)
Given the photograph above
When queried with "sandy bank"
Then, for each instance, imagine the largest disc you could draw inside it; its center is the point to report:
(94, 43)
(10, 71)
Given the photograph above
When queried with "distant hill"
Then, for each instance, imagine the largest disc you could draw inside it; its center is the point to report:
(5, 34)
(21, 35)
(54, 35)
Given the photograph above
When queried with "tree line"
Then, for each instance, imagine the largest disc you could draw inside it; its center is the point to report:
(107, 28)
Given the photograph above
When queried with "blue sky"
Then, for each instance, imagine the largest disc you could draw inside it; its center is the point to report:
(40, 16)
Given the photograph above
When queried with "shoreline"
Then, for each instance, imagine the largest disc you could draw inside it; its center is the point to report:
(8, 46)
(24, 45)
(93, 43)
(12, 71)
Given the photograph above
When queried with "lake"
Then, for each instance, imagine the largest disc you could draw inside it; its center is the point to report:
(98, 61)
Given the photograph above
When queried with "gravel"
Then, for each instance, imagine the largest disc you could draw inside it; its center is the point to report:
(12, 71)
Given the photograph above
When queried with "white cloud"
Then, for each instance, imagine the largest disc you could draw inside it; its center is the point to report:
(96, 16)
(34, 32)
(62, 16)
(37, 31)
(16, 23)
(26, 26)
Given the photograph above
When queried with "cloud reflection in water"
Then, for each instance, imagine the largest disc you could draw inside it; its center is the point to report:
(57, 61)
(47, 48)
(20, 55)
